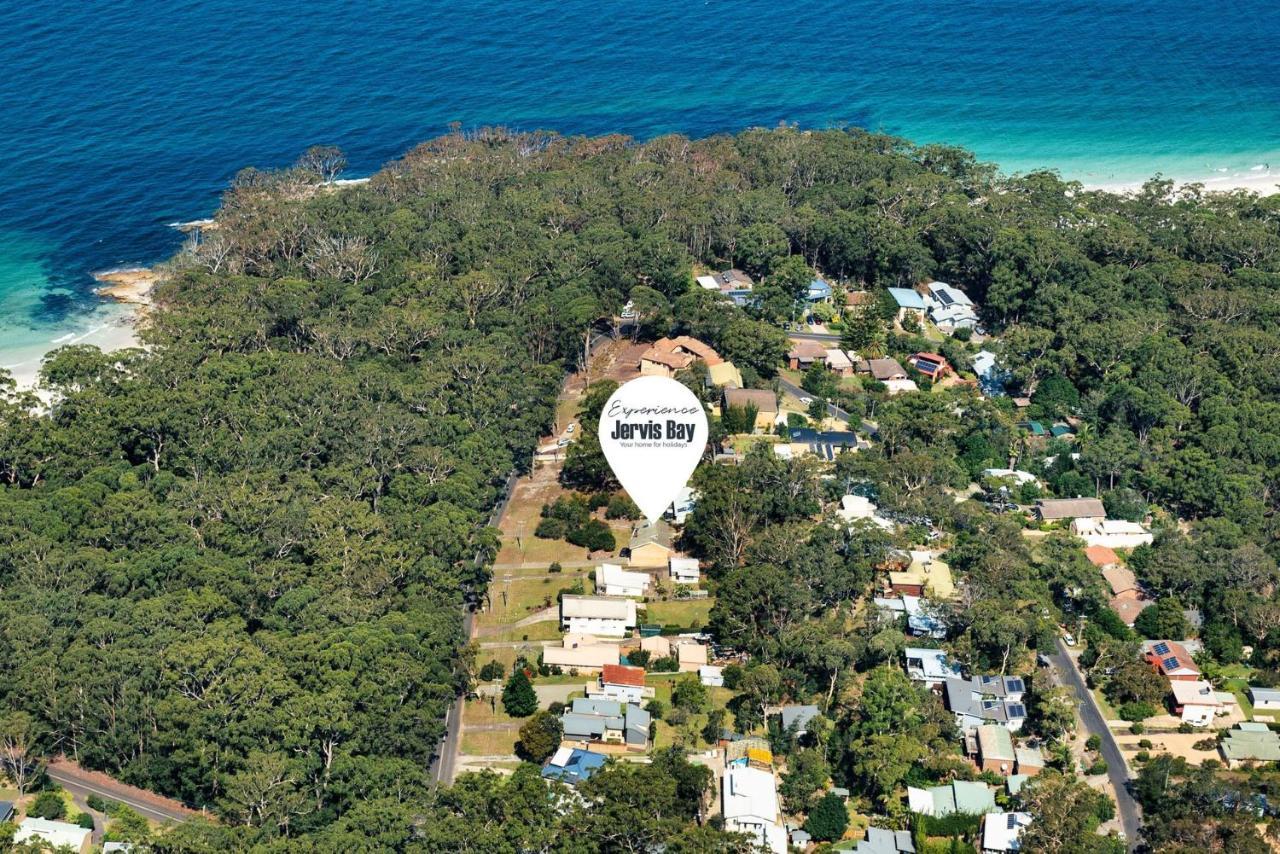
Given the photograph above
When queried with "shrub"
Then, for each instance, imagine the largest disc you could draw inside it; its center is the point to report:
(639, 657)
(1206, 744)
(666, 664)
(492, 670)
(593, 536)
(828, 820)
(96, 803)
(732, 674)
(48, 805)
(1185, 728)
(1099, 766)
(556, 708)
(656, 708)
(622, 507)
(1145, 743)
(1137, 728)
(596, 500)
(518, 697)
(555, 567)
(551, 529)
(1093, 742)
(85, 820)
(1142, 756)
(539, 737)
(1135, 711)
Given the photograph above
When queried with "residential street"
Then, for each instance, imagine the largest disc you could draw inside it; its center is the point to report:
(1096, 724)
(81, 783)
(832, 410)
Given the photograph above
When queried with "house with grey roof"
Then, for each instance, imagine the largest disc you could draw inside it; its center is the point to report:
(799, 717)
(1264, 699)
(987, 699)
(881, 841)
(606, 722)
(931, 666)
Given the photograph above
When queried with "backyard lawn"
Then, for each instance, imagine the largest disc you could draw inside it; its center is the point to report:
(686, 613)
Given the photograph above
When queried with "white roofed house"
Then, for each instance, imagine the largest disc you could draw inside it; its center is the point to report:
(1002, 831)
(54, 834)
(750, 806)
(1112, 533)
(839, 362)
(685, 570)
(930, 666)
(949, 308)
(1196, 703)
(582, 653)
(613, 580)
(607, 616)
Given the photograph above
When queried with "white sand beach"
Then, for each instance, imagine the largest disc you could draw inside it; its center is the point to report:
(1264, 181)
(110, 328)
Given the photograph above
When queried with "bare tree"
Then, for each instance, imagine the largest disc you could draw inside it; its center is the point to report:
(17, 761)
(347, 259)
(327, 161)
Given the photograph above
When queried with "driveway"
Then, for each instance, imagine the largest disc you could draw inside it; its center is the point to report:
(1118, 772)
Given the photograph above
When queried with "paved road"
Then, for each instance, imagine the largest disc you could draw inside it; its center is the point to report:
(1096, 724)
(821, 337)
(81, 784)
(832, 410)
(446, 759)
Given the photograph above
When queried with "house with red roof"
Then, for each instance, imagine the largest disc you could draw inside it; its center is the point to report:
(1171, 660)
(932, 365)
(623, 683)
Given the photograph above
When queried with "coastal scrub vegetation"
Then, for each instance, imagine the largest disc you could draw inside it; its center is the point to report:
(233, 569)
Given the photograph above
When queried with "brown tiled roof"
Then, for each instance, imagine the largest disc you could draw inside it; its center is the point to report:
(1120, 578)
(1070, 508)
(762, 399)
(1101, 556)
(1128, 606)
(886, 369)
(621, 674)
(805, 349)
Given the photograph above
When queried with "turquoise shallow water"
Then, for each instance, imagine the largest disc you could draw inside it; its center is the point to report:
(121, 118)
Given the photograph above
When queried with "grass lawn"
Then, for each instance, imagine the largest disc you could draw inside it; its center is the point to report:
(1107, 712)
(687, 613)
(1239, 686)
(525, 597)
(548, 630)
(489, 742)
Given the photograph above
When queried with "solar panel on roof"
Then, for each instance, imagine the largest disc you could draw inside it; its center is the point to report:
(943, 297)
(1170, 663)
(1013, 820)
(1014, 685)
(1017, 710)
(1161, 648)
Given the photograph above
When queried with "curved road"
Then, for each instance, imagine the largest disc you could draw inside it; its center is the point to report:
(832, 410)
(1096, 724)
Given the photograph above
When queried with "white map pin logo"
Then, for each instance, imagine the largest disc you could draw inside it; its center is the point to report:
(653, 431)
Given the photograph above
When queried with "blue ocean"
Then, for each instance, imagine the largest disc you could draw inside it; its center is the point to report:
(117, 119)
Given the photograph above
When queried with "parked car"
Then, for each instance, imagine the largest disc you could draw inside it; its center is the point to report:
(806, 400)
(571, 428)
(563, 442)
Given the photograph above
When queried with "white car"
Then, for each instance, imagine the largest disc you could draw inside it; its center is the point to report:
(563, 442)
(569, 430)
(806, 400)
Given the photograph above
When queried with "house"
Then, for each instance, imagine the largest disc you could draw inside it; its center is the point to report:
(932, 365)
(819, 291)
(839, 363)
(995, 750)
(949, 309)
(667, 356)
(691, 655)
(805, 353)
(117, 847)
(885, 370)
(986, 699)
(712, 677)
(686, 499)
(881, 841)
(613, 580)
(1129, 605)
(930, 666)
(1250, 742)
(606, 616)
(1002, 831)
(1121, 579)
(684, 570)
(750, 806)
(54, 834)
(910, 303)
(650, 544)
(799, 717)
(1018, 476)
(825, 444)
(1054, 509)
(1030, 761)
(855, 507)
(925, 575)
(6, 810)
(991, 378)
(734, 284)
(606, 722)
(1171, 660)
(1015, 782)
(959, 796)
(573, 765)
(1195, 702)
(1102, 557)
(1264, 699)
(920, 622)
(582, 653)
(623, 683)
(763, 399)
(1112, 533)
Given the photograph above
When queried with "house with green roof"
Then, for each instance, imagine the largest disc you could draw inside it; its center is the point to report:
(1251, 741)
(959, 796)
